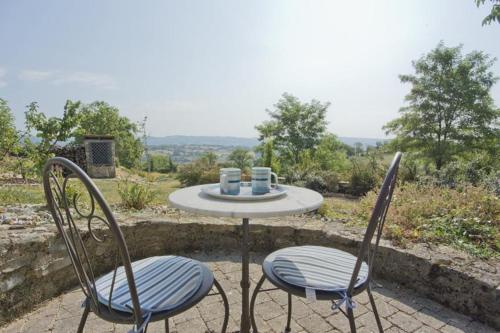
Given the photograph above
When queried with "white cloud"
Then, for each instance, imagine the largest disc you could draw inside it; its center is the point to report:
(35, 75)
(3, 83)
(98, 80)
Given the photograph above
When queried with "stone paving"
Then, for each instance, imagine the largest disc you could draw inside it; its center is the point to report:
(401, 310)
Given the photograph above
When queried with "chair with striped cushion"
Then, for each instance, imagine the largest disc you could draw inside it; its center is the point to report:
(134, 293)
(322, 273)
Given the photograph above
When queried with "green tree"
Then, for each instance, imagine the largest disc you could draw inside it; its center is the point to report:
(494, 15)
(294, 126)
(50, 130)
(241, 158)
(268, 157)
(208, 159)
(9, 138)
(100, 118)
(331, 155)
(160, 163)
(450, 110)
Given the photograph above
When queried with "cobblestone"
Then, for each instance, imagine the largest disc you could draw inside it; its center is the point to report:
(400, 310)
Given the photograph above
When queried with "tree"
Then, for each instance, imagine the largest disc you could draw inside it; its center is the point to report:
(294, 126)
(268, 157)
(9, 138)
(450, 109)
(241, 158)
(331, 155)
(100, 118)
(50, 130)
(494, 15)
(160, 163)
(208, 159)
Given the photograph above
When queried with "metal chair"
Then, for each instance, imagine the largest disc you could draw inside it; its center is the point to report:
(323, 273)
(135, 293)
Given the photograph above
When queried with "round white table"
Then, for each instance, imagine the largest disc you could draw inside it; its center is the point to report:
(297, 200)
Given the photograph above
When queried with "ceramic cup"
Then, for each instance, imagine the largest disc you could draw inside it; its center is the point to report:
(230, 179)
(261, 180)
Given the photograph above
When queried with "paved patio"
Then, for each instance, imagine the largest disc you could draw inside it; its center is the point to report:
(402, 310)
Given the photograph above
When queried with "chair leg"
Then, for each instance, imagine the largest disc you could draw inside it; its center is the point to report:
(289, 318)
(226, 305)
(375, 312)
(252, 302)
(167, 328)
(350, 316)
(84, 319)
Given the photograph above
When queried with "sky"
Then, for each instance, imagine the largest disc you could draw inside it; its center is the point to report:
(214, 67)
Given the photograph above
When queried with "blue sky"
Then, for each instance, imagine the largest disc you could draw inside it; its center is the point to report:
(213, 67)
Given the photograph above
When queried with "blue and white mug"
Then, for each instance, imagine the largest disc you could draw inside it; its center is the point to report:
(261, 180)
(230, 180)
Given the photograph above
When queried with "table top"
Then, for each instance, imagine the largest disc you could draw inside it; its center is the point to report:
(297, 200)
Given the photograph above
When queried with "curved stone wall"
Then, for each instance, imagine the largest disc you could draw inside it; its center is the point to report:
(34, 265)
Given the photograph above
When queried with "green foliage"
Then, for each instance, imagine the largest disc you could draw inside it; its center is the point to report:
(160, 163)
(135, 195)
(100, 118)
(294, 127)
(50, 131)
(9, 138)
(241, 158)
(466, 217)
(450, 109)
(73, 192)
(268, 157)
(331, 155)
(322, 181)
(366, 173)
(494, 15)
(204, 170)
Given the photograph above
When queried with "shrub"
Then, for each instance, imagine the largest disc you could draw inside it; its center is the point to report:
(189, 174)
(466, 217)
(492, 182)
(135, 195)
(205, 170)
(363, 179)
(323, 182)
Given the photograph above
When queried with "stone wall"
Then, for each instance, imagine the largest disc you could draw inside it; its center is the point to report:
(34, 265)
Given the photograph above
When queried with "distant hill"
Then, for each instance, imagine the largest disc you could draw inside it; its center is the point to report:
(231, 141)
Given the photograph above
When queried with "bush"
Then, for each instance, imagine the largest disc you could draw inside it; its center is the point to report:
(492, 182)
(189, 174)
(205, 170)
(135, 195)
(364, 178)
(466, 217)
(323, 182)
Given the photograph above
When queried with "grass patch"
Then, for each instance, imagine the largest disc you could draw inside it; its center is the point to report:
(33, 194)
(21, 194)
(338, 208)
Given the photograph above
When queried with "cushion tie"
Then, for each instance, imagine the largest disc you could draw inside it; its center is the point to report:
(145, 323)
(345, 299)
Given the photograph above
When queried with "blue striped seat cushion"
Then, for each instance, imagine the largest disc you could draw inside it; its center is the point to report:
(162, 283)
(316, 267)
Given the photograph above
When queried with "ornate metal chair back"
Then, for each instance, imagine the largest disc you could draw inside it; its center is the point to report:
(376, 223)
(74, 211)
